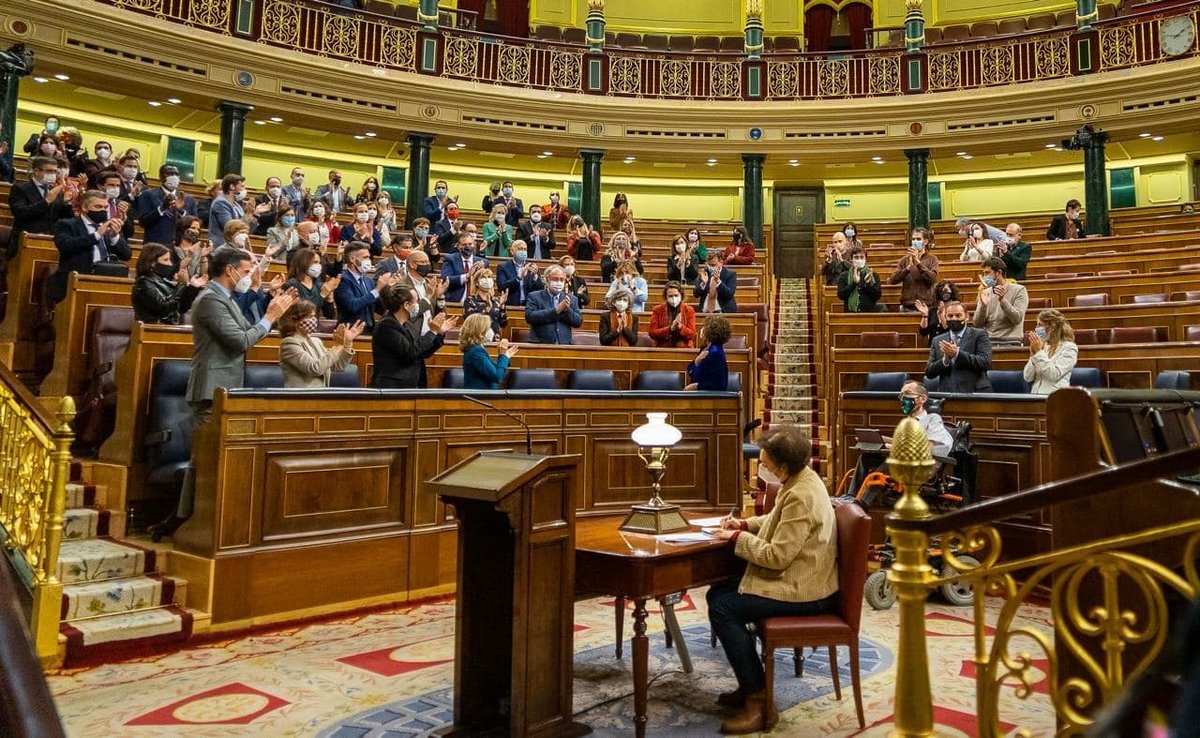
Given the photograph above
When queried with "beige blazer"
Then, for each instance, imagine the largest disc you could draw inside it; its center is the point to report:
(307, 363)
(792, 550)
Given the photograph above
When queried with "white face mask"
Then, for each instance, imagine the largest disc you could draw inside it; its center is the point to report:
(570, 269)
(621, 305)
(674, 300)
(977, 233)
(693, 237)
(859, 263)
(414, 310)
(370, 185)
(556, 286)
(362, 217)
(297, 179)
(240, 239)
(365, 266)
(314, 271)
(130, 172)
(243, 284)
(371, 214)
(384, 204)
(102, 153)
(680, 248)
(485, 284)
(314, 238)
(49, 178)
(535, 217)
(767, 475)
(112, 192)
(490, 335)
(275, 192)
(64, 173)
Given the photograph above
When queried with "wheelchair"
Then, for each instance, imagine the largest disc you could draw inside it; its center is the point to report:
(950, 487)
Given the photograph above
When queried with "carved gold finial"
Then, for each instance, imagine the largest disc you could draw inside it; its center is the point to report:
(66, 412)
(596, 5)
(911, 462)
(754, 8)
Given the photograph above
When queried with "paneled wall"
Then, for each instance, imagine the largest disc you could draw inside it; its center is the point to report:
(944, 12)
(701, 17)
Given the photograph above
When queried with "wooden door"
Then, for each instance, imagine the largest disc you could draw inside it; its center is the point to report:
(797, 210)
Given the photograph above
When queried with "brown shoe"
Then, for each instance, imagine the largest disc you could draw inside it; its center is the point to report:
(736, 698)
(753, 717)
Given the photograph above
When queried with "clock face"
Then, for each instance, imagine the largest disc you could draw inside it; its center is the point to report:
(1176, 35)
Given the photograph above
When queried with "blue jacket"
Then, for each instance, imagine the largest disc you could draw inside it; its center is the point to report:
(219, 213)
(158, 224)
(479, 371)
(712, 374)
(506, 279)
(376, 242)
(549, 325)
(726, 288)
(356, 299)
(455, 270)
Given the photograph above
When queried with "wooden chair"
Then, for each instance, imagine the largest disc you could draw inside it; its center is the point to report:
(838, 628)
(1133, 334)
(879, 339)
(1094, 299)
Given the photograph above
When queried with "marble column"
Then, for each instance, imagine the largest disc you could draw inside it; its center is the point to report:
(918, 188)
(417, 188)
(233, 134)
(752, 197)
(590, 208)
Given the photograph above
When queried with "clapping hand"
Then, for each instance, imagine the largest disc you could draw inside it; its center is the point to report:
(678, 322)
(198, 281)
(122, 205)
(1036, 343)
(280, 304)
(276, 284)
(339, 334)
(81, 182)
(922, 308)
(620, 321)
(261, 208)
(272, 250)
(949, 348)
(509, 351)
(1001, 288)
(443, 322)
(330, 286)
(351, 332)
(912, 255)
(563, 304)
(502, 298)
(386, 280)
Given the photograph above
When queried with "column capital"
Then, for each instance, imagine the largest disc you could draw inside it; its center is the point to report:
(419, 138)
(754, 159)
(913, 154)
(237, 109)
(592, 153)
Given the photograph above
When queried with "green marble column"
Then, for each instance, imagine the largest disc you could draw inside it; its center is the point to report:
(15, 63)
(754, 30)
(427, 13)
(417, 188)
(233, 132)
(914, 27)
(590, 208)
(1095, 180)
(1086, 13)
(595, 27)
(918, 188)
(752, 197)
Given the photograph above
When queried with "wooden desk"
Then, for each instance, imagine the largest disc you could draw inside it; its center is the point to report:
(640, 568)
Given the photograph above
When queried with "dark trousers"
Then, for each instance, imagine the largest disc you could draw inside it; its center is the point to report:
(201, 415)
(730, 613)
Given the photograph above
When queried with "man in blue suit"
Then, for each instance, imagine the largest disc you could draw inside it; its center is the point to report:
(959, 359)
(518, 276)
(85, 240)
(228, 206)
(434, 206)
(297, 194)
(159, 209)
(552, 313)
(716, 286)
(357, 295)
(456, 268)
(515, 208)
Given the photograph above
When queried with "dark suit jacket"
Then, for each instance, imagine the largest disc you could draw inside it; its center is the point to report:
(159, 227)
(221, 335)
(967, 372)
(399, 352)
(547, 324)
(31, 212)
(455, 270)
(356, 300)
(506, 279)
(869, 290)
(1058, 228)
(726, 288)
(76, 253)
(525, 233)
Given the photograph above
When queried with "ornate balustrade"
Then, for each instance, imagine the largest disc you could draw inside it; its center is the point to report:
(35, 453)
(327, 30)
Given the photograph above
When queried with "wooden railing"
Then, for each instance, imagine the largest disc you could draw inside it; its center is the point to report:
(35, 453)
(331, 31)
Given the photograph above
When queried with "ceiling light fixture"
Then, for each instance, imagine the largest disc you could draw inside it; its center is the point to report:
(40, 80)
(1051, 146)
(793, 161)
(968, 157)
(276, 119)
(369, 134)
(154, 103)
(358, 137)
(174, 100)
(961, 153)
(461, 145)
(547, 153)
(260, 122)
(62, 77)
(1157, 138)
(1145, 135)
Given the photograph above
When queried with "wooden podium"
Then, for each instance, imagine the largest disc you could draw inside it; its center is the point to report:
(514, 627)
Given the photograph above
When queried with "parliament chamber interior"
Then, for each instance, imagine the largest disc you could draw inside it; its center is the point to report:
(548, 367)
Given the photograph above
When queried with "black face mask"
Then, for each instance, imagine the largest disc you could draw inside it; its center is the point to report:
(191, 235)
(467, 251)
(166, 271)
(424, 269)
(955, 325)
(97, 216)
(947, 296)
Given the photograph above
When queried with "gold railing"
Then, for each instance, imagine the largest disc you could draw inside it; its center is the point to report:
(1108, 604)
(35, 455)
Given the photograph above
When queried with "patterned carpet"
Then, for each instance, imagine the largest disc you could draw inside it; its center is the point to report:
(390, 673)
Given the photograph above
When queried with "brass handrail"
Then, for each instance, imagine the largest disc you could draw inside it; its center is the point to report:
(35, 455)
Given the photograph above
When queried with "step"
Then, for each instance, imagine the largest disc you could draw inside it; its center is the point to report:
(80, 495)
(127, 633)
(97, 559)
(90, 599)
(791, 403)
(85, 522)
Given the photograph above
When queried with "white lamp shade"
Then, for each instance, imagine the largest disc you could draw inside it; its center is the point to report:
(656, 432)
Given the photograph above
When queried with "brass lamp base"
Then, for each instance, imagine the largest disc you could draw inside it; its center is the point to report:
(654, 519)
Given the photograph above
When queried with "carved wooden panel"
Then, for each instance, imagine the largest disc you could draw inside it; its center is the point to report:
(322, 491)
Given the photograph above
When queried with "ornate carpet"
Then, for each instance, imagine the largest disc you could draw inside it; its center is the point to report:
(390, 673)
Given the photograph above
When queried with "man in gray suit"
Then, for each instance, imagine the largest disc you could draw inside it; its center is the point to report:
(960, 358)
(221, 335)
(336, 197)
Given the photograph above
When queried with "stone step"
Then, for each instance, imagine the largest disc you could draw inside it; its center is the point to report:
(90, 599)
(98, 559)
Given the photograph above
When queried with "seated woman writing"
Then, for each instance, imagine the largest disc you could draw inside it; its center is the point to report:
(479, 370)
(792, 569)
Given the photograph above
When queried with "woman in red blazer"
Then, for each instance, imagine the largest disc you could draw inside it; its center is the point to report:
(673, 323)
(741, 249)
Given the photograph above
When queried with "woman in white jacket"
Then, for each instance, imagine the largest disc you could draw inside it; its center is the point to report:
(976, 248)
(1052, 353)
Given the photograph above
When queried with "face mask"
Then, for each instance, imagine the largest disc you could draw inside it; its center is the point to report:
(535, 217)
(191, 236)
(63, 173)
(908, 404)
(680, 247)
(1073, 215)
(314, 238)
(335, 180)
(166, 271)
(49, 148)
(383, 204)
(297, 179)
(49, 178)
(621, 305)
(422, 232)
(1010, 240)
(372, 214)
(414, 309)
(97, 216)
(243, 285)
(521, 256)
(51, 126)
(767, 475)
(918, 244)
(309, 325)
(365, 266)
(977, 233)
(989, 281)
(171, 182)
(554, 199)
(1041, 333)
(490, 335)
(556, 285)
(507, 191)
(288, 220)
(314, 270)
(485, 284)
(499, 218)
(570, 269)
(850, 233)
(674, 300)
(130, 172)
(467, 251)
(859, 263)
(112, 192)
(424, 269)
(371, 186)
(947, 296)
(319, 213)
(240, 239)
(362, 217)
(275, 192)
(103, 153)
(238, 195)
(954, 325)
(441, 192)
(693, 237)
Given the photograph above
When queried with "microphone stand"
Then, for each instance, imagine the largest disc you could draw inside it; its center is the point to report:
(519, 418)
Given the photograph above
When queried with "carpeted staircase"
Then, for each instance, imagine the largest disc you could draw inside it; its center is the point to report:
(791, 384)
(114, 601)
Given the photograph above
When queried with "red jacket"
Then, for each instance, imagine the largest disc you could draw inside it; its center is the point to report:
(660, 327)
(739, 254)
(596, 247)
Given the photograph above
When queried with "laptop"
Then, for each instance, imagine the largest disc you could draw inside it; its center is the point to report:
(869, 439)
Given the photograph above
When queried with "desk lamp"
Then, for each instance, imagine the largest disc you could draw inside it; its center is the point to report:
(654, 440)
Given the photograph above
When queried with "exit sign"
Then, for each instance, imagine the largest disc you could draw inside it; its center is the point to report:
(841, 202)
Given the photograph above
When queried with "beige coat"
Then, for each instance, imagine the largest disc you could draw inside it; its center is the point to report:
(307, 363)
(792, 550)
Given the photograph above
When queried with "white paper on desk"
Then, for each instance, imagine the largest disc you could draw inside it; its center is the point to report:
(685, 537)
(713, 522)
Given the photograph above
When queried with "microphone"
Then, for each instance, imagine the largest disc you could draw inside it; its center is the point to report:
(519, 418)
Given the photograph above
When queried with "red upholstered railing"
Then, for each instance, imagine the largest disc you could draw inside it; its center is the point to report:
(330, 31)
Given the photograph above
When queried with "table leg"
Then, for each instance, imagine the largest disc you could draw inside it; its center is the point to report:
(672, 622)
(641, 666)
